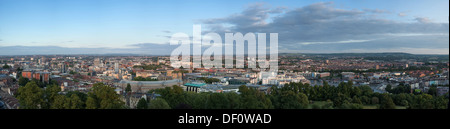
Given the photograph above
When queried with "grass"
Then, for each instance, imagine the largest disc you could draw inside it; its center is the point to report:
(370, 107)
(319, 103)
(375, 107)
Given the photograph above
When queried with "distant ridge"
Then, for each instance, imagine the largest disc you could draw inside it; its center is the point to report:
(149, 51)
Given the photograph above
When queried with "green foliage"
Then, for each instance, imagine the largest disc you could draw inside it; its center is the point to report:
(251, 98)
(399, 89)
(148, 67)
(144, 79)
(209, 80)
(159, 103)
(375, 100)
(173, 95)
(142, 104)
(75, 102)
(286, 98)
(23, 81)
(91, 103)
(128, 89)
(83, 96)
(423, 101)
(322, 105)
(296, 96)
(50, 94)
(217, 101)
(387, 102)
(30, 96)
(441, 102)
(432, 91)
(60, 103)
(103, 97)
(33, 97)
(6, 66)
(351, 106)
(72, 72)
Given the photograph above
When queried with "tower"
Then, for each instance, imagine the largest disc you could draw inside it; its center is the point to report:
(116, 66)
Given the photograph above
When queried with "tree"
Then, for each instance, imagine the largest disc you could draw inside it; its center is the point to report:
(23, 81)
(82, 96)
(144, 79)
(103, 97)
(441, 102)
(173, 95)
(91, 103)
(291, 100)
(142, 104)
(128, 89)
(432, 91)
(254, 99)
(375, 100)
(159, 103)
(422, 101)
(388, 88)
(351, 106)
(233, 100)
(209, 80)
(5, 66)
(217, 101)
(30, 96)
(19, 70)
(59, 102)
(50, 94)
(356, 100)
(340, 100)
(75, 102)
(386, 102)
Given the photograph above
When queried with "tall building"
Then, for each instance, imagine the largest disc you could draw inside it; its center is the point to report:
(63, 68)
(97, 62)
(42, 61)
(116, 66)
(41, 76)
(27, 74)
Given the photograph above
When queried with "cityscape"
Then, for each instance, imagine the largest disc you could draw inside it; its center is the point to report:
(132, 79)
(101, 54)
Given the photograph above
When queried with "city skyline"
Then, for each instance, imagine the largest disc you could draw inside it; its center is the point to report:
(145, 27)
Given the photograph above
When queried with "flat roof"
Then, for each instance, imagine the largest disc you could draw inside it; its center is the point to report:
(195, 84)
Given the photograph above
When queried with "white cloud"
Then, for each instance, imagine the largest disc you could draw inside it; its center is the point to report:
(336, 42)
(423, 19)
(322, 27)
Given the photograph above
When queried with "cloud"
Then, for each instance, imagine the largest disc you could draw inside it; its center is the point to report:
(167, 31)
(402, 14)
(254, 16)
(336, 42)
(423, 19)
(322, 27)
(139, 48)
(377, 11)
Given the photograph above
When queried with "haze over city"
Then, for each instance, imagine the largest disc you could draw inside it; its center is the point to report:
(30, 27)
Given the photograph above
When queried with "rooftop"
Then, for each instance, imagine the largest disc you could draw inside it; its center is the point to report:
(195, 84)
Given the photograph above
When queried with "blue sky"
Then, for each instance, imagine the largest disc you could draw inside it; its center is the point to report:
(127, 24)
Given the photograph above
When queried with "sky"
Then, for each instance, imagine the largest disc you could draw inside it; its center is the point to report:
(145, 26)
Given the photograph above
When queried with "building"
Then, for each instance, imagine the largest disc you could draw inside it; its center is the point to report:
(146, 74)
(442, 90)
(193, 87)
(27, 74)
(63, 68)
(145, 86)
(41, 76)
